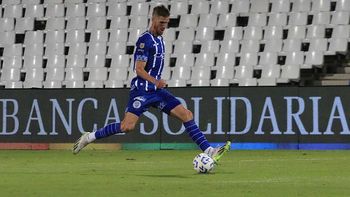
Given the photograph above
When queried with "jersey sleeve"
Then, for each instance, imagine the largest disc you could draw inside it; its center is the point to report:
(142, 49)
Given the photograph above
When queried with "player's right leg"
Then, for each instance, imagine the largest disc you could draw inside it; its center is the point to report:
(128, 124)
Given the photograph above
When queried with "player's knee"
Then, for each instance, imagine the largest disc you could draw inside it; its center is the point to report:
(188, 115)
(127, 127)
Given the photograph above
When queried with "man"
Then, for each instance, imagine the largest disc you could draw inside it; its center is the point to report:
(147, 90)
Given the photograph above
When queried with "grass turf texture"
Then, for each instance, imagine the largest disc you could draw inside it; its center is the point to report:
(170, 173)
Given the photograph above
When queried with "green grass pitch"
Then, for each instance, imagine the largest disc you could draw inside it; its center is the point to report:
(170, 173)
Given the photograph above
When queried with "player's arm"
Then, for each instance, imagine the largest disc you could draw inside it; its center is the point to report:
(140, 71)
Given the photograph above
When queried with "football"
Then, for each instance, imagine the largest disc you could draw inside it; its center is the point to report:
(203, 163)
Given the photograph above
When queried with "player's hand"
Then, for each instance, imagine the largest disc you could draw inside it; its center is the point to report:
(160, 83)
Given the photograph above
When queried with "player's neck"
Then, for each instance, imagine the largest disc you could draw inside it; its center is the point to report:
(153, 31)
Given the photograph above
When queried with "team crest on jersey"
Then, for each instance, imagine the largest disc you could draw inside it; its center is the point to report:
(136, 104)
(142, 45)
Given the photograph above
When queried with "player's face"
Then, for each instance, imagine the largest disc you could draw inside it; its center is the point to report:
(160, 23)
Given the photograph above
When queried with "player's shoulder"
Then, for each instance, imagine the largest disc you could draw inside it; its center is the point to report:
(145, 37)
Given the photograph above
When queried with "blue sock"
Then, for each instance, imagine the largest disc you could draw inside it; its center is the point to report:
(196, 135)
(108, 130)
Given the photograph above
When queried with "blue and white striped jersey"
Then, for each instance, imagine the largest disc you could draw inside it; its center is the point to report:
(150, 49)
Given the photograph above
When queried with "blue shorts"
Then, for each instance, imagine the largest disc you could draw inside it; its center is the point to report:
(140, 101)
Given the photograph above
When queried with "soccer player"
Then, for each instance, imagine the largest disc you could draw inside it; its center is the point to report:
(147, 90)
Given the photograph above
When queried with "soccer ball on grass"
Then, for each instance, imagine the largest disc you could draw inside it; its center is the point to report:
(203, 163)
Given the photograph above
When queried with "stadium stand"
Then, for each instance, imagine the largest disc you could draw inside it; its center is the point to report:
(89, 43)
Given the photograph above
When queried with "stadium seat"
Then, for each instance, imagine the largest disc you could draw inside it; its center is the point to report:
(79, 48)
(74, 78)
(56, 36)
(259, 6)
(292, 45)
(13, 50)
(140, 22)
(301, 5)
(34, 49)
(267, 82)
(342, 5)
(95, 61)
(97, 76)
(119, 22)
(34, 10)
(75, 10)
(33, 37)
(24, 24)
(13, 11)
(316, 31)
(341, 31)
(114, 84)
(229, 46)
(10, 2)
(226, 59)
(96, 9)
(318, 44)
(116, 48)
(55, 61)
(200, 72)
(289, 72)
(116, 9)
(200, 82)
(252, 33)
(211, 46)
(54, 10)
(97, 48)
(240, 6)
(54, 77)
(248, 59)
(134, 35)
(169, 34)
(321, 5)
(75, 60)
(187, 34)
(207, 20)
(250, 46)
(13, 84)
(200, 7)
(140, 9)
(178, 8)
(321, 18)
(48, 2)
(227, 20)
(181, 47)
(280, 6)
(28, 2)
(120, 61)
(53, 48)
(181, 73)
(116, 77)
(277, 19)
(168, 47)
(247, 82)
(296, 32)
(99, 35)
(204, 33)
(176, 83)
(33, 78)
(232, 33)
(340, 17)
(219, 82)
(243, 72)
(31, 61)
(273, 32)
(74, 23)
(118, 35)
(204, 60)
(224, 72)
(314, 58)
(271, 71)
(7, 38)
(94, 23)
(55, 23)
(12, 62)
(295, 58)
(185, 60)
(7, 24)
(10, 74)
(219, 7)
(267, 58)
(188, 21)
(75, 35)
(338, 45)
(298, 18)
(257, 19)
